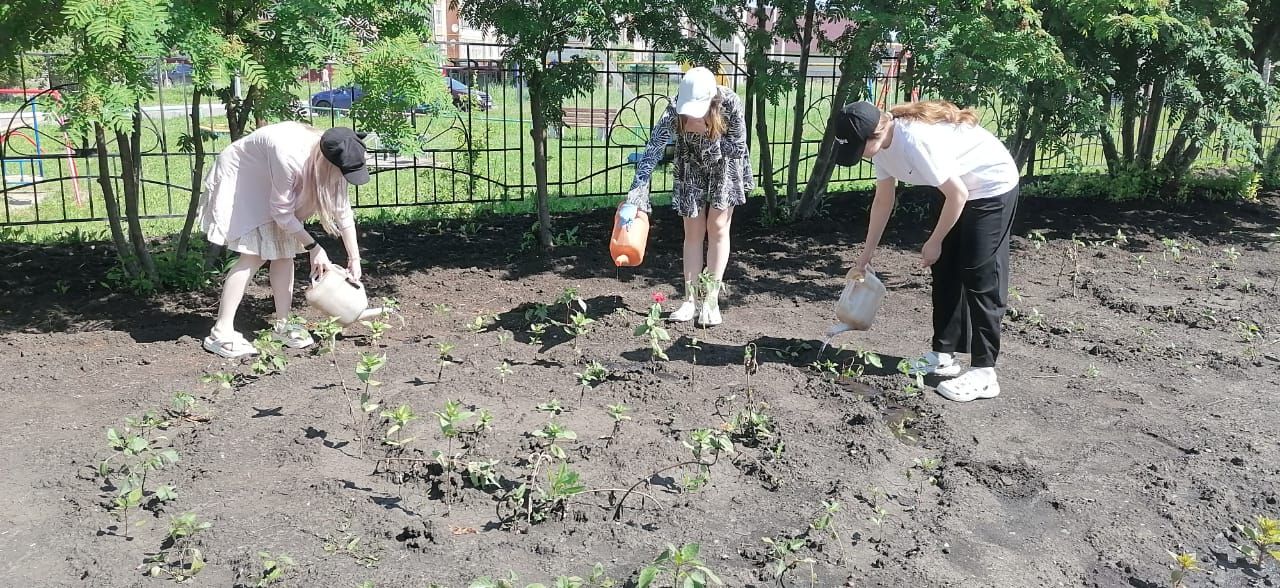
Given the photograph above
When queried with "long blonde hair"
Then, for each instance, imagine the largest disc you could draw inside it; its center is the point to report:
(934, 112)
(323, 181)
(716, 125)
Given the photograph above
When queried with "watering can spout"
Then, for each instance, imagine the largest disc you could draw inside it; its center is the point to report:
(369, 313)
(621, 261)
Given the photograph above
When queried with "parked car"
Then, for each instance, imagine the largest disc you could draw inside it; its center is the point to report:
(464, 97)
(343, 97)
(171, 72)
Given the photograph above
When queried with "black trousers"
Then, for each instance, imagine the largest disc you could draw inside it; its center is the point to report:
(971, 280)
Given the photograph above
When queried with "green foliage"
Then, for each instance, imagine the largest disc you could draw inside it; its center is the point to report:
(273, 568)
(397, 75)
(182, 559)
(653, 330)
(682, 566)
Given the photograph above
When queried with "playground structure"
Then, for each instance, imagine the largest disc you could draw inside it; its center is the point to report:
(23, 147)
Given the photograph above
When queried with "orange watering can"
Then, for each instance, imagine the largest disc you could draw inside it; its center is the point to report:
(626, 247)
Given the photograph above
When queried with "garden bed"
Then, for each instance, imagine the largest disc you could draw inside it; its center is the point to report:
(1137, 416)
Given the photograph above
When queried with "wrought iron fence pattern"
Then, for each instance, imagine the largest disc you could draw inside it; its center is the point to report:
(477, 151)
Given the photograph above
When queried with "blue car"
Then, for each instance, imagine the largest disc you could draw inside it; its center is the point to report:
(341, 98)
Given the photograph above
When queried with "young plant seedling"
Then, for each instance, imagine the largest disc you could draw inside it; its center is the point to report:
(369, 365)
(578, 326)
(451, 420)
(443, 351)
(328, 331)
(551, 407)
(1263, 541)
(377, 328)
(786, 557)
(1037, 239)
(550, 434)
(183, 406)
(536, 332)
(273, 568)
(824, 522)
(1172, 248)
(569, 298)
(928, 467)
(1248, 331)
(879, 516)
(135, 455)
(682, 566)
(182, 560)
(504, 370)
(750, 365)
(617, 412)
(271, 358)
(223, 380)
(594, 375)
(703, 443)
(537, 314)
(1184, 564)
(538, 502)
(653, 330)
(399, 418)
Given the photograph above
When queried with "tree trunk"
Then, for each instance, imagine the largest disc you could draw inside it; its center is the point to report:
(1186, 145)
(1151, 124)
(539, 135)
(1128, 112)
(129, 260)
(197, 176)
(758, 106)
(797, 128)
(766, 156)
(131, 181)
(1109, 151)
(816, 189)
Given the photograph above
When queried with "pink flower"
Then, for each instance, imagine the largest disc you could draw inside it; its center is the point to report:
(659, 297)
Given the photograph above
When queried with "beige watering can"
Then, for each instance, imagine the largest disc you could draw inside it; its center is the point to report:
(863, 293)
(337, 295)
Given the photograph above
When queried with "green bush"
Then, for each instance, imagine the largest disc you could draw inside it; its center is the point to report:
(1221, 183)
(1271, 169)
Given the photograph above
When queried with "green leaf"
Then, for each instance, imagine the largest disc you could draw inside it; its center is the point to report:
(647, 576)
(689, 551)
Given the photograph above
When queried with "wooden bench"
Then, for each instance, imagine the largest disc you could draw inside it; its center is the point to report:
(589, 118)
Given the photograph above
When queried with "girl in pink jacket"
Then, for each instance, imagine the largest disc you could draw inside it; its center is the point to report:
(257, 195)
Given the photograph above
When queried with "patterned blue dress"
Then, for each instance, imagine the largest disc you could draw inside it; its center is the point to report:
(707, 172)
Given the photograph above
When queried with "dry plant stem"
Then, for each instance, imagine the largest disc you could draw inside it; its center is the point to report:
(617, 511)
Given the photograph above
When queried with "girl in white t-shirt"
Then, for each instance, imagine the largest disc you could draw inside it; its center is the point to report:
(934, 143)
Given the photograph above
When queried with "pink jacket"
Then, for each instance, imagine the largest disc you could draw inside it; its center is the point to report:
(255, 181)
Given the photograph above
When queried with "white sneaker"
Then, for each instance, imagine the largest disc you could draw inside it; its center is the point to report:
(685, 313)
(710, 314)
(934, 363)
(291, 334)
(974, 384)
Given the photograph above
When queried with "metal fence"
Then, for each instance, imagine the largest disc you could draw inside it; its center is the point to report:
(477, 152)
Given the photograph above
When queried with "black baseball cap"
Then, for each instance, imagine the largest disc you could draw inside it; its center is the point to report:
(854, 125)
(343, 148)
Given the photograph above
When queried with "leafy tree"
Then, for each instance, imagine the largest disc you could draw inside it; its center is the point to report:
(534, 28)
(1181, 61)
(111, 43)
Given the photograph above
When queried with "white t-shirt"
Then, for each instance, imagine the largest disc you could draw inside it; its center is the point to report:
(930, 154)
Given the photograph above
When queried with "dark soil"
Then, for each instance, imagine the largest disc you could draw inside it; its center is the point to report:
(1138, 413)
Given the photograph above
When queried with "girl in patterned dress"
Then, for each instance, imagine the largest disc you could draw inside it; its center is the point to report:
(712, 175)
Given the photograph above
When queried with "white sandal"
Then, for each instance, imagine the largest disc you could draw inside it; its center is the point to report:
(684, 313)
(974, 384)
(233, 347)
(710, 314)
(932, 364)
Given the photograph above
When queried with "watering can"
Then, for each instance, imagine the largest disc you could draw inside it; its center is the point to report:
(626, 247)
(337, 295)
(860, 300)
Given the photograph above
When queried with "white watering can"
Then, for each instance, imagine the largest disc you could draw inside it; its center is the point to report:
(863, 293)
(337, 295)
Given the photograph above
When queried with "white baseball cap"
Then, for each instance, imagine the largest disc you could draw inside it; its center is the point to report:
(697, 89)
